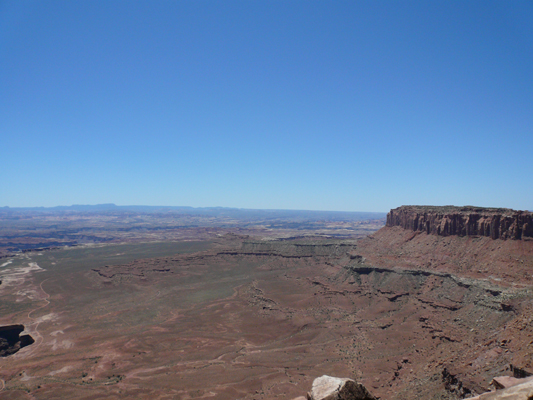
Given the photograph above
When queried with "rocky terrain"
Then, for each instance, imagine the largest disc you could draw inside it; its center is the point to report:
(496, 223)
(11, 341)
(406, 313)
(481, 264)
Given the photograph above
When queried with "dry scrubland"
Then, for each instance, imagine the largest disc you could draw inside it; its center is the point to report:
(411, 315)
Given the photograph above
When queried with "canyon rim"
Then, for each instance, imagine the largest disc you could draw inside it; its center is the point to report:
(433, 305)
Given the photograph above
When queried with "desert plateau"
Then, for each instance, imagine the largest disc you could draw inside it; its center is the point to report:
(429, 303)
(266, 200)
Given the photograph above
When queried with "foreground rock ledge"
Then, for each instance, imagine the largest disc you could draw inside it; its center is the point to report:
(331, 388)
(521, 391)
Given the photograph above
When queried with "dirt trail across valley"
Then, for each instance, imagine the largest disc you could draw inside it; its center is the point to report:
(36, 328)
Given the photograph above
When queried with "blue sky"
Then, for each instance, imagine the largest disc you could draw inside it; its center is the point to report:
(324, 105)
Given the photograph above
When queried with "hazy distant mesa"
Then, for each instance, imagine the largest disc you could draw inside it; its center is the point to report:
(26, 229)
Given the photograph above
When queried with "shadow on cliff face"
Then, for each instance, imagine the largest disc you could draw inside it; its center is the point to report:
(11, 341)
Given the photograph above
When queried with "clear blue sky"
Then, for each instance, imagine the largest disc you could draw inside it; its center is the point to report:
(324, 105)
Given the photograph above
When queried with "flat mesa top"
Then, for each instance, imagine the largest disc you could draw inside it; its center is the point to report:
(458, 210)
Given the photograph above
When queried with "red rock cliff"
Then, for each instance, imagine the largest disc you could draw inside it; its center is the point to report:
(497, 223)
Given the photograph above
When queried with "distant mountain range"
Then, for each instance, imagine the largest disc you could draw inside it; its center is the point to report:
(238, 213)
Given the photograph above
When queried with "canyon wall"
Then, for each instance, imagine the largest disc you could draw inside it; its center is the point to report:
(496, 223)
(11, 341)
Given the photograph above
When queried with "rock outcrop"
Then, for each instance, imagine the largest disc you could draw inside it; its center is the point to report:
(504, 382)
(496, 223)
(519, 391)
(331, 388)
(11, 341)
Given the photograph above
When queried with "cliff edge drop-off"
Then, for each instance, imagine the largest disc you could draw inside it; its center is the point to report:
(432, 306)
(496, 223)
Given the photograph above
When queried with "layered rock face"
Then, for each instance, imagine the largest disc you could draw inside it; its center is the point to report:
(496, 223)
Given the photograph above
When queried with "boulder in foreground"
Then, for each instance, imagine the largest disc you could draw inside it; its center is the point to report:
(331, 388)
(522, 391)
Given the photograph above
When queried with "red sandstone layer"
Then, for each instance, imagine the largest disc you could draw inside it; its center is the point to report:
(496, 223)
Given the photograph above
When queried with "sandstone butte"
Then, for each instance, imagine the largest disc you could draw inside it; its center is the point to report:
(496, 223)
